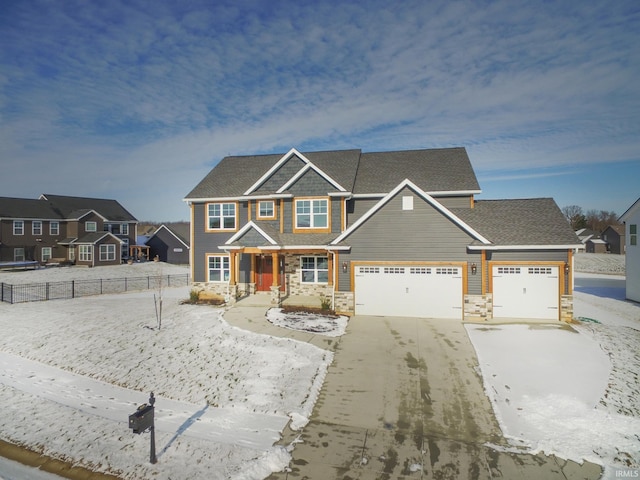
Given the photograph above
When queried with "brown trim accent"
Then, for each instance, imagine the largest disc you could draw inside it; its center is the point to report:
(295, 229)
(249, 211)
(216, 230)
(192, 243)
(252, 274)
(206, 266)
(330, 260)
(281, 215)
(472, 202)
(483, 272)
(232, 267)
(274, 268)
(569, 280)
(275, 211)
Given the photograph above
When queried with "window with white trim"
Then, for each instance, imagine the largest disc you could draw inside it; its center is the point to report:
(633, 234)
(90, 227)
(54, 228)
(85, 253)
(72, 254)
(18, 254)
(107, 252)
(219, 270)
(221, 216)
(18, 227)
(36, 227)
(46, 253)
(124, 230)
(314, 269)
(312, 213)
(266, 209)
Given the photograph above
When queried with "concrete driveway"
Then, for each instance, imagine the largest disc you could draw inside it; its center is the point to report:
(403, 399)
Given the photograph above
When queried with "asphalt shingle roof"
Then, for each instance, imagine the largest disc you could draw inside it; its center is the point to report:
(110, 209)
(509, 222)
(444, 169)
(26, 208)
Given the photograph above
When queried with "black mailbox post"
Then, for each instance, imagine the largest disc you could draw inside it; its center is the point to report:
(142, 420)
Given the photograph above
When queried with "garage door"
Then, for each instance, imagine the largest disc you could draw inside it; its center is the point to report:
(409, 291)
(526, 292)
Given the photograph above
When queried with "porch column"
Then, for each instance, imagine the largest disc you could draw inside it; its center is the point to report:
(233, 257)
(331, 260)
(274, 269)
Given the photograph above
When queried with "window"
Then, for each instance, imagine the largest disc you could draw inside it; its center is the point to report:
(125, 229)
(218, 268)
(107, 253)
(221, 216)
(85, 253)
(72, 254)
(46, 253)
(312, 213)
(266, 209)
(315, 269)
(90, 227)
(18, 227)
(633, 234)
(18, 254)
(36, 227)
(54, 228)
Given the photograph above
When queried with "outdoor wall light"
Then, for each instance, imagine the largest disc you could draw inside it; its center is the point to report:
(474, 268)
(344, 267)
(566, 268)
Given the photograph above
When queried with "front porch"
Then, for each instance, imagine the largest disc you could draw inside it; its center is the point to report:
(264, 300)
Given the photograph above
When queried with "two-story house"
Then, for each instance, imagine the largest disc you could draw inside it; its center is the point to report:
(76, 230)
(390, 233)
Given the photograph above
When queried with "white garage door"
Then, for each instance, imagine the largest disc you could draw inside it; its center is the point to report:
(409, 291)
(526, 292)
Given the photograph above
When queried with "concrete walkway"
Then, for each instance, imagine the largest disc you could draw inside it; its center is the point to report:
(403, 399)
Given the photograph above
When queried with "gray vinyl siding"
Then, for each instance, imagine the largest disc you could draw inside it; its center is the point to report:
(336, 215)
(205, 242)
(288, 215)
(455, 202)
(163, 244)
(311, 184)
(433, 237)
(281, 176)
(528, 255)
(357, 207)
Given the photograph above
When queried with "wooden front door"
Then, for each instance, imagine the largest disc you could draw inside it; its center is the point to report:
(264, 273)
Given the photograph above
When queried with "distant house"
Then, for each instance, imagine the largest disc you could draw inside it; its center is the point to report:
(613, 235)
(585, 234)
(395, 233)
(595, 245)
(170, 244)
(63, 229)
(631, 219)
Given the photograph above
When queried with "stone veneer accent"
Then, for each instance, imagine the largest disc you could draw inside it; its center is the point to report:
(344, 303)
(566, 308)
(478, 307)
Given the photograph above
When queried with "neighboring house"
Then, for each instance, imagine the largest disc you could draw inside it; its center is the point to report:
(595, 245)
(585, 234)
(613, 235)
(170, 243)
(631, 219)
(391, 233)
(56, 228)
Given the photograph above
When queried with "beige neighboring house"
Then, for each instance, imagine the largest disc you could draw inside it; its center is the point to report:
(595, 245)
(631, 219)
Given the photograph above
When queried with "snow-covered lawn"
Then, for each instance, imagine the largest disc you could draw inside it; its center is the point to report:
(73, 371)
(572, 390)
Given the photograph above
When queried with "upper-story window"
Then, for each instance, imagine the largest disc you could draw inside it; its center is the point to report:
(633, 234)
(266, 209)
(124, 229)
(221, 216)
(90, 227)
(36, 227)
(18, 227)
(54, 228)
(312, 213)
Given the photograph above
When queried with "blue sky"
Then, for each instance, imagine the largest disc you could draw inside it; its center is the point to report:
(137, 100)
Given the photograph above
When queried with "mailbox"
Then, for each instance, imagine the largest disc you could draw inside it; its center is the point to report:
(141, 419)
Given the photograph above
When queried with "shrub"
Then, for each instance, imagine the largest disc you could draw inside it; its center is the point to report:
(194, 296)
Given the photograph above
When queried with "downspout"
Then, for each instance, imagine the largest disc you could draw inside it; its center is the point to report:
(335, 279)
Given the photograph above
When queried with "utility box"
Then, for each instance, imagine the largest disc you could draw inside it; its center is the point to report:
(141, 419)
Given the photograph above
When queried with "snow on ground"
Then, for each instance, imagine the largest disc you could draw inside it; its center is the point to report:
(73, 371)
(329, 326)
(571, 390)
(600, 263)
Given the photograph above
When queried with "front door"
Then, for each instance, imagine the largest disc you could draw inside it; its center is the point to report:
(264, 273)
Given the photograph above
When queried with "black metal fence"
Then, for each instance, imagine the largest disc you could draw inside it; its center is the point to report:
(36, 292)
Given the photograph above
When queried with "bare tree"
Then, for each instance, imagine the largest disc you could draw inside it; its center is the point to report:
(599, 220)
(574, 215)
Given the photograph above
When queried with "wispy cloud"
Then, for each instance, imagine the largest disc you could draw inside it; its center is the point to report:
(153, 93)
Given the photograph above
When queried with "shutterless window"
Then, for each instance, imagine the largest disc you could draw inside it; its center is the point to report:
(54, 228)
(219, 268)
(90, 226)
(18, 227)
(312, 213)
(18, 254)
(107, 253)
(125, 229)
(633, 234)
(85, 253)
(46, 253)
(36, 227)
(221, 216)
(266, 209)
(314, 269)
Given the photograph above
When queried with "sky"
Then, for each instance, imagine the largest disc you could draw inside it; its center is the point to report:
(137, 100)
